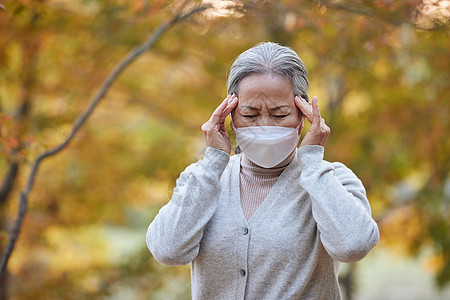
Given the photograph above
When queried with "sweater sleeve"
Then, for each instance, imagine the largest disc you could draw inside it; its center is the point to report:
(175, 234)
(339, 206)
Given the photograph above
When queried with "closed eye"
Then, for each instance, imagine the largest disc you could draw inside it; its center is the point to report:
(249, 116)
(280, 116)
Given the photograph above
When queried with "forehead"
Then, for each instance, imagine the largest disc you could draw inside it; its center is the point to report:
(265, 89)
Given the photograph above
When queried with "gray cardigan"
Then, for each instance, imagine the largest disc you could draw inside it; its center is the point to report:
(315, 215)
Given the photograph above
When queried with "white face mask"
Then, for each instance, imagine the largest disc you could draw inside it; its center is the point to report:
(267, 146)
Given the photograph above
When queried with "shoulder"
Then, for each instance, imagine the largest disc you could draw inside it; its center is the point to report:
(341, 169)
(346, 175)
(214, 161)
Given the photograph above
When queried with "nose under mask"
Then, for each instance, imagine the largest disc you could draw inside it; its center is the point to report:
(267, 146)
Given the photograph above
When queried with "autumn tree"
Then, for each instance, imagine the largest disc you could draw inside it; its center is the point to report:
(380, 69)
(12, 140)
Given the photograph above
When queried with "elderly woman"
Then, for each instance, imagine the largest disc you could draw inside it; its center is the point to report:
(273, 221)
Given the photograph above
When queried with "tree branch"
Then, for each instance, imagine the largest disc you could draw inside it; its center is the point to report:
(365, 11)
(8, 182)
(124, 63)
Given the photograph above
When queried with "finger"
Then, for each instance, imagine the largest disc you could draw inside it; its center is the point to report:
(222, 130)
(316, 112)
(304, 107)
(232, 104)
(215, 117)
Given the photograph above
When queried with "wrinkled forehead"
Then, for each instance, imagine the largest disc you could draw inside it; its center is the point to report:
(264, 100)
(265, 89)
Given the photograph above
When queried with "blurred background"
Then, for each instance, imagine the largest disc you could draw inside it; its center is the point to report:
(380, 69)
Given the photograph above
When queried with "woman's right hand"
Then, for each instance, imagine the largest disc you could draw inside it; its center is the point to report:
(214, 129)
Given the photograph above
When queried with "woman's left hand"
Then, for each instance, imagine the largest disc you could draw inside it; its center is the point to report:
(319, 131)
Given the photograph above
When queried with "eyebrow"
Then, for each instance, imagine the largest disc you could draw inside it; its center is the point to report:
(279, 107)
(258, 109)
(250, 107)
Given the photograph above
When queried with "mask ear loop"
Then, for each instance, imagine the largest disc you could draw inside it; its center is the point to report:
(238, 149)
(231, 118)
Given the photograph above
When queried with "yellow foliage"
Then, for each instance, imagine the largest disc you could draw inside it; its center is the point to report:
(383, 89)
(435, 262)
(401, 229)
(75, 249)
(356, 104)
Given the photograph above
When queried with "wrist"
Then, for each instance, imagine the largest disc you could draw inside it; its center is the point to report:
(310, 156)
(216, 159)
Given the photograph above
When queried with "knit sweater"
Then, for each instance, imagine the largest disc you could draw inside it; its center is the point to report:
(316, 214)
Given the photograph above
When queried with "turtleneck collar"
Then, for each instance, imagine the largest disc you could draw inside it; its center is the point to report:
(249, 167)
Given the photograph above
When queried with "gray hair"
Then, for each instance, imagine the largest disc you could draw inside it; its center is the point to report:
(269, 58)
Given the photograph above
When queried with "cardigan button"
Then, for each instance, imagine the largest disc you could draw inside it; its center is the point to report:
(245, 231)
(242, 272)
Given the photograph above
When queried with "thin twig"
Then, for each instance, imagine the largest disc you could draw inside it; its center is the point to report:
(377, 15)
(124, 63)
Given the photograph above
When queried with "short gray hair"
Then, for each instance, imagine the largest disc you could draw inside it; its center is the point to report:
(269, 58)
